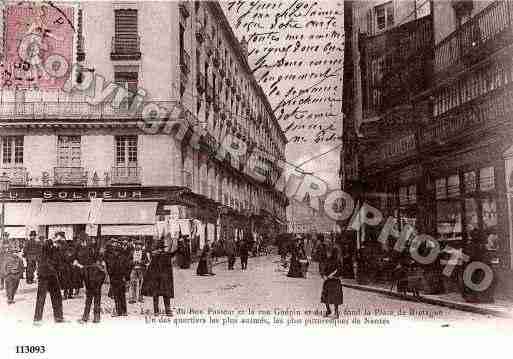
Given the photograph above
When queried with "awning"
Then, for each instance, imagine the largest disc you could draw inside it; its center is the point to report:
(16, 213)
(16, 232)
(129, 230)
(129, 213)
(54, 213)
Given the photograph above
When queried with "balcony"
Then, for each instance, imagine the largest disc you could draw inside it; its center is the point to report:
(488, 31)
(18, 176)
(129, 175)
(187, 179)
(185, 62)
(125, 49)
(50, 110)
(200, 82)
(74, 176)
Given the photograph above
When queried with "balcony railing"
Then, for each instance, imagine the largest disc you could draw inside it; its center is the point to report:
(18, 176)
(126, 49)
(187, 179)
(75, 176)
(489, 30)
(126, 175)
(75, 110)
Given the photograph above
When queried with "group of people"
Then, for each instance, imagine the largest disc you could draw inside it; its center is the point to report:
(230, 248)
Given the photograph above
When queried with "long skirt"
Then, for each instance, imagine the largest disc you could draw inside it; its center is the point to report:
(332, 292)
(202, 267)
(295, 269)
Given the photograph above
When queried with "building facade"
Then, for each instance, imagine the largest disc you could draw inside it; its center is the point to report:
(89, 94)
(434, 99)
(303, 218)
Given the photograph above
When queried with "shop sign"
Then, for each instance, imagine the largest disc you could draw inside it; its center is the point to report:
(75, 194)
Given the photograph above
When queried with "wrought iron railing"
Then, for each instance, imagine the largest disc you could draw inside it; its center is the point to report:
(479, 33)
(126, 175)
(18, 175)
(75, 176)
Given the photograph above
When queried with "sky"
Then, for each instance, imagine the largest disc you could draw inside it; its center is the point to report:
(296, 53)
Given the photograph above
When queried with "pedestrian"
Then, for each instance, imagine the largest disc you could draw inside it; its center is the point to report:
(297, 256)
(139, 260)
(332, 287)
(3, 254)
(31, 253)
(158, 279)
(48, 281)
(321, 253)
(181, 254)
(116, 261)
(13, 270)
(66, 269)
(230, 248)
(89, 261)
(205, 261)
(244, 248)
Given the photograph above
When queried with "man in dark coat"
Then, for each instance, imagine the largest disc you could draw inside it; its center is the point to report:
(48, 281)
(31, 253)
(88, 260)
(116, 260)
(230, 248)
(244, 248)
(158, 280)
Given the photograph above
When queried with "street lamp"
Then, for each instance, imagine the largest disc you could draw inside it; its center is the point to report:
(4, 188)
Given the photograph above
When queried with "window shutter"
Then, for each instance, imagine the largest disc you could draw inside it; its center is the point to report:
(126, 29)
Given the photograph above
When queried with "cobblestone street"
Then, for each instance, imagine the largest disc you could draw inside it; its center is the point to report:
(268, 292)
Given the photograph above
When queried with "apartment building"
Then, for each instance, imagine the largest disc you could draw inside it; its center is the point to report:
(83, 86)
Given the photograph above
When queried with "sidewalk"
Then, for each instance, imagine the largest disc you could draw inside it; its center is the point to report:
(501, 308)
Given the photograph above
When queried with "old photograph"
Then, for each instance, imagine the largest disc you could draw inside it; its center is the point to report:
(330, 165)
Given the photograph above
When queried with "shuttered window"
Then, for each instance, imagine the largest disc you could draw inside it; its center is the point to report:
(125, 31)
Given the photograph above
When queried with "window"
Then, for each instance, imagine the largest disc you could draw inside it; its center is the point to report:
(12, 150)
(453, 186)
(384, 15)
(126, 151)
(441, 188)
(486, 179)
(125, 31)
(69, 151)
(469, 181)
(128, 80)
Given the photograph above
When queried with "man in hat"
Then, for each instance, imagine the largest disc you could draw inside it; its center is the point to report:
(12, 269)
(139, 259)
(48, 281)
(116, 261)
(31, 253)
(89, 260)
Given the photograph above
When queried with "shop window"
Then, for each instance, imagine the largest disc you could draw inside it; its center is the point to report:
(12, 150)
(441, 188)
(471, 214)
(453, 186)
(486, 179)
(489, 210)
(469, 179)
(448, 218)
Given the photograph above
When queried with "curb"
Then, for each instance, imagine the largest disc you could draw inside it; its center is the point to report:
(443, 303)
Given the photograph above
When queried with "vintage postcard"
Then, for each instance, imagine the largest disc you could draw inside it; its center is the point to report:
(278, 164)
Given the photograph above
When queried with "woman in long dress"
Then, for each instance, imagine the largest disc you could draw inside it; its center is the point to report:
(332, 287)
(297, 253)
(205, 261)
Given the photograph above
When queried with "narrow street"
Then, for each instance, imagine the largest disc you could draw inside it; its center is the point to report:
(267, 291)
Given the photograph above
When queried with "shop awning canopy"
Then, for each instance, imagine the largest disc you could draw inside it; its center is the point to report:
(128, 213)
(55, 213)
(16, 214)
(129, 230)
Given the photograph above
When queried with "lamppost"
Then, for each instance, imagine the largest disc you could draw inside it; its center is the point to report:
(4, 188)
